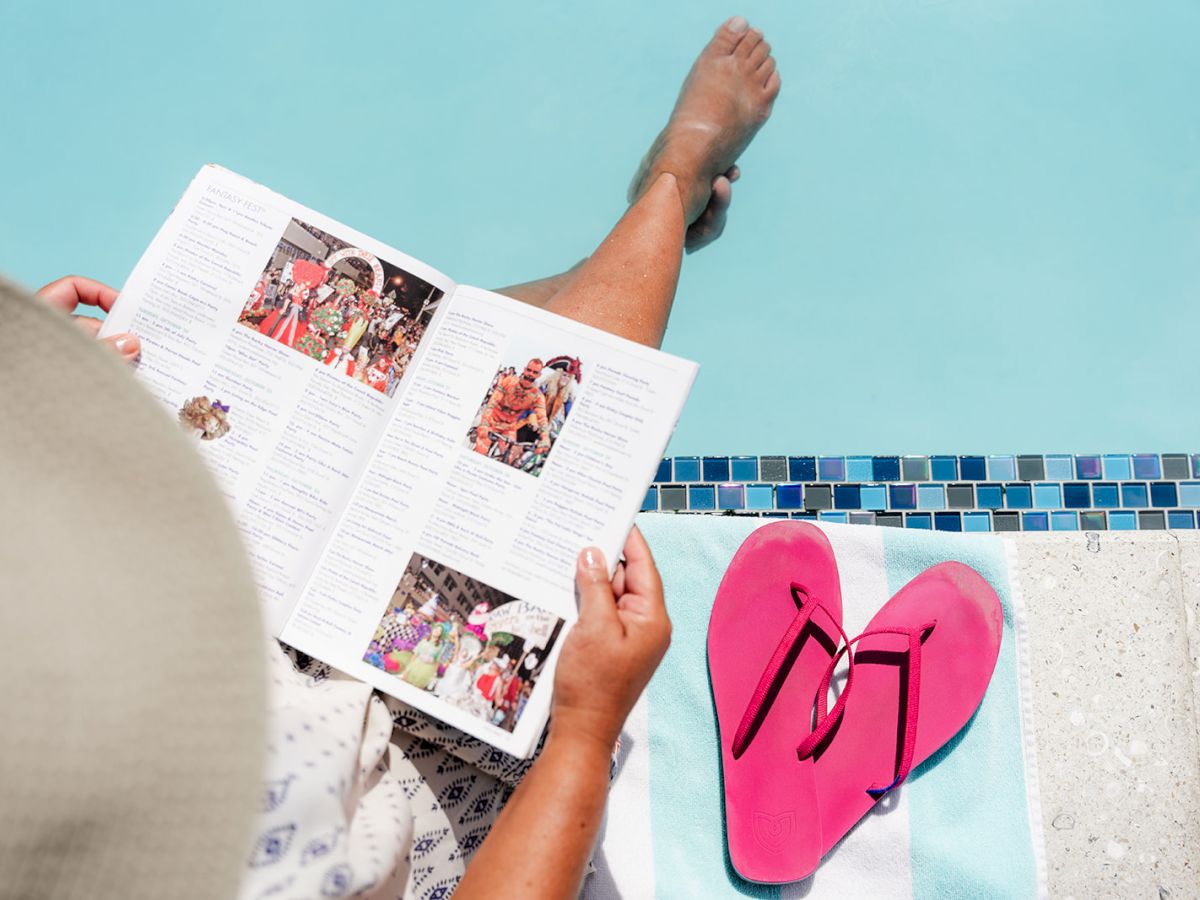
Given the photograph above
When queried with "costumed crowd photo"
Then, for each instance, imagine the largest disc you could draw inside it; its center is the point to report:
(342, 306)
(524, 410)
(470, 644)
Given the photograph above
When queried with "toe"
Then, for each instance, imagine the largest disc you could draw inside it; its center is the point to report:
(766, 70)
(759, 55)
(750, 40)
(772, 86)
(730, 34)
(722, 194)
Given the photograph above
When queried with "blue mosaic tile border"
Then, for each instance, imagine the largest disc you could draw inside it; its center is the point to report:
(1027, 492)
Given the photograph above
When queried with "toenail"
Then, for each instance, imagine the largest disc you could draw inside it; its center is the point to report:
(737, 24)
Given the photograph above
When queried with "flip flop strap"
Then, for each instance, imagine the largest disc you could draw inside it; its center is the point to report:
(825, 722)
(773, 670)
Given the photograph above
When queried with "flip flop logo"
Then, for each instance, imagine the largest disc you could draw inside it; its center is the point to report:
(772, 832)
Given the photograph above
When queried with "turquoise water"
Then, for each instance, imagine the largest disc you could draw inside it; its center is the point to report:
(969, 227)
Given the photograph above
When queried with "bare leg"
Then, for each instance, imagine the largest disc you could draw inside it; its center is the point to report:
(725, 99)
(627, 286)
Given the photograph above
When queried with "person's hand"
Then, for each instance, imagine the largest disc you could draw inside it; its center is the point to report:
(620, 638)
(68, 292)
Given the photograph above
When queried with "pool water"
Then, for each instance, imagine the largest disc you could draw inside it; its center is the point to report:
(969, 227)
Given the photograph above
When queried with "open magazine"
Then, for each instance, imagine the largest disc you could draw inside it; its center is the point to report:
(414, 464)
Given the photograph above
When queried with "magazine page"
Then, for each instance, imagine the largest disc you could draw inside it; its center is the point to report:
(280, 340)
(449, 582)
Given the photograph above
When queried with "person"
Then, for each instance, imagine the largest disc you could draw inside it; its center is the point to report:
(514, 403)
(539, 845)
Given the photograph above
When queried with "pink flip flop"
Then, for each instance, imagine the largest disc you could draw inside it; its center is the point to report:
(919, 672)
(773, 631)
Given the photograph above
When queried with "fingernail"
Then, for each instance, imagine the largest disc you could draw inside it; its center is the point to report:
(592, 558)
(738, 24)
(128, 344)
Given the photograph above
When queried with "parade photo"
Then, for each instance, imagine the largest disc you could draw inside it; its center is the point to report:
(342, 306)
(474, 646)
(526, 405)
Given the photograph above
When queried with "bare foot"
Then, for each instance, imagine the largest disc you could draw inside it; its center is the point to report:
(725, 99)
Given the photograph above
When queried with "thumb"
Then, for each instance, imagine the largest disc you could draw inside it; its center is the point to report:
(593, 591)
(125, 344)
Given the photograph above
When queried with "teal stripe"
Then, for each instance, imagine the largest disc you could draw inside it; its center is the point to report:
(968, 840)
(688, 823)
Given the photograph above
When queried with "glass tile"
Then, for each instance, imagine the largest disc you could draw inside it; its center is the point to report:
(827, 516)
(1035, 521)
(664, 471)
(1002, 468)
(943, 468)
(1047, 496)
(874, 496)
(831, 468)
(1196, 465)
(1064, 520)
(861, 518)
(773, 468)
(818, 496)
(1088, 467)
(886, 468)
(789, 496)
(902, 496)
(947, 521)
(1175, 466)
(931, 496)
(1092, 520)
(989, 496)
(731, 496)
(977, 521)
(1122, 520)
(1152, 520)
(1145, 465)
(687, 468)
(759, 496)
(701, 497)
(744, 468)
(918, 520)
(774, 514)
(651, 500)
(1076, 495)
(1006, 521)
(1105, 496)
(1018, 496)
(972, 468)
(1134, 494)
(802, 468)
(1116, 467)
(1162, 493)
(1189, 493)
(889, 520)
(960, 496)
(716, 468)
(672, 497)
(1181, 518)
(846, 496)
(1059, 467)
(859, 468)
(807, 517)
(1030, 468)
(916, 468)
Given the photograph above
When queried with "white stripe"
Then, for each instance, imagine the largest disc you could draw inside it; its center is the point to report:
(1028, 737)
(625, 836)
(873, 860)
